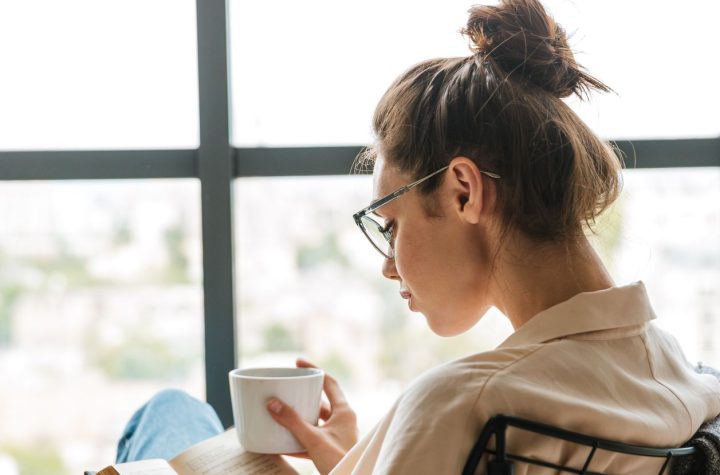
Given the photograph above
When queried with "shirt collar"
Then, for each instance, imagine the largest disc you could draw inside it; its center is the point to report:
(607, 309)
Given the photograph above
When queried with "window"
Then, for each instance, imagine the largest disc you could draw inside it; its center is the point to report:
(665, 231)
(98, 274)
(310, 73)
(80, 74)
(100, 306)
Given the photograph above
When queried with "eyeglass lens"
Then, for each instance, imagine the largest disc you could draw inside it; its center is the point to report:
(373, 227)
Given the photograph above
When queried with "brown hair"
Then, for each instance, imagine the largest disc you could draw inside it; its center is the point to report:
(502, 108)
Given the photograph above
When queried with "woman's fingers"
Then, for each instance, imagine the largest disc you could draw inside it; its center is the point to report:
(330, 385)
(289, 419)
(325, 444)
(303, 363)
(325, 411)
(333, 391)
(300, 455)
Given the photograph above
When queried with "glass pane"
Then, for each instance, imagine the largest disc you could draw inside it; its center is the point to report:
(665, 231)
(310, 284)
(100, 307)
(316, 81)
(82, 74)
(665, 89)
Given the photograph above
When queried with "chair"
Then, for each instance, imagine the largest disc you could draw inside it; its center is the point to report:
(501, 462)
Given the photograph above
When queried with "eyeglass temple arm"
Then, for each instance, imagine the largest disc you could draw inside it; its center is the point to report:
(387, 199)
(406, 188)
(415, 183)
(401, 191)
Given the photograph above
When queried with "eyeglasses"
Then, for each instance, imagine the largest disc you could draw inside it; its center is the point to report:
(374, 227)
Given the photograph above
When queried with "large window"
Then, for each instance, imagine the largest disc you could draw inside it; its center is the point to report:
(139, 249)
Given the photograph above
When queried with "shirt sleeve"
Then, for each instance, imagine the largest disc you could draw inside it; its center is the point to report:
(434, 426)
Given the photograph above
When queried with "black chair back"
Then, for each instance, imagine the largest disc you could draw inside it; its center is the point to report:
(501, 463)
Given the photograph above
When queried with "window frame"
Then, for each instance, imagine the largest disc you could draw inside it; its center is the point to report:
(216, 163)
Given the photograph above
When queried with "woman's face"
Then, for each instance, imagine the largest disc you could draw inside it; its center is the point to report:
(441, 262)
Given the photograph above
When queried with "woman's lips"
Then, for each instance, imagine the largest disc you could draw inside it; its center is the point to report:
(405, 294)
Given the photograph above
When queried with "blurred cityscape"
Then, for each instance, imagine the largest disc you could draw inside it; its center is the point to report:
(100, 306)
(101, 297)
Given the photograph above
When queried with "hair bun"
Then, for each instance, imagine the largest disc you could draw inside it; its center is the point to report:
(519, 36)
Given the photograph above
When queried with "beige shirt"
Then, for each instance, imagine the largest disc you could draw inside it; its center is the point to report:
(592, 364)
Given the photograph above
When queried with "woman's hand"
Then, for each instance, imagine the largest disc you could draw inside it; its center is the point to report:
(328, 443)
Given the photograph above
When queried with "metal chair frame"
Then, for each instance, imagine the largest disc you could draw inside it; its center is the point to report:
(502, 462)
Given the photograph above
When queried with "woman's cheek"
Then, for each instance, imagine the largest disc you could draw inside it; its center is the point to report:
(403, 261)
(400, 264)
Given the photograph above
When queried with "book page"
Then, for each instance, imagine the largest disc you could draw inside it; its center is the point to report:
(144, 467)
(222, 455)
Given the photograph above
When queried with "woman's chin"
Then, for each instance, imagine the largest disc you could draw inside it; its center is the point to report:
(441, 326)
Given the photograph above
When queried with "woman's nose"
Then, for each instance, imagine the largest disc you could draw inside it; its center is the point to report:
(389, 270)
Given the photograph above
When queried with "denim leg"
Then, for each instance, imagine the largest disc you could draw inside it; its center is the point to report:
(167, 424)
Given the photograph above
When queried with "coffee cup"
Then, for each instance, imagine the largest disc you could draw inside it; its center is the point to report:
(250, 390)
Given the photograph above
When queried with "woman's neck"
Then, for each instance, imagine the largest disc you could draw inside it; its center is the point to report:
(531, 277)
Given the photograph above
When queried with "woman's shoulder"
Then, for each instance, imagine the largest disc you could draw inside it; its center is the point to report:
(461, 381)
(441, 404)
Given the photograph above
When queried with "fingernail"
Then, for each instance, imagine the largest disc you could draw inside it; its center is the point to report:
(275, 406)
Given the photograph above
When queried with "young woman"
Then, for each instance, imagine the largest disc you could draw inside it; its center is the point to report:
(485, 182)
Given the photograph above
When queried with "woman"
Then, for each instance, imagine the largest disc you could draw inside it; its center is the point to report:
(485, 182)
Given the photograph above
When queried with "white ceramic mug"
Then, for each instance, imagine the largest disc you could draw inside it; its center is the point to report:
(250, 390)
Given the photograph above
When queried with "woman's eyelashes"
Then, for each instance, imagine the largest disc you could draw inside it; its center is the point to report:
(388, 230)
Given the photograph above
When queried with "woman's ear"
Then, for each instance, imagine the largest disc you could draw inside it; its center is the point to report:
(470, 194)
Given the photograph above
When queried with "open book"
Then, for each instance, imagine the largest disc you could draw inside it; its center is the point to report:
(219, 455)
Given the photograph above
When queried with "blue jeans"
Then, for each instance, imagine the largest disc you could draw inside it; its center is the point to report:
(167, 424)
